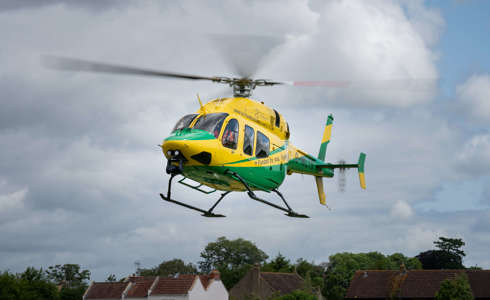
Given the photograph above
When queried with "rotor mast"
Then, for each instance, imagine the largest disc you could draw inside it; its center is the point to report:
(243, 87)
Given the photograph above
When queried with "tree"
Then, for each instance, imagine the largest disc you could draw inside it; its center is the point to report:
(32, 284)
(278, 264)
(315, 272)
(448, 256)
(438, 259)
(398, 259)
(455, 289)
(296, 295)
(342, 266)
(170, 268)
(451, 245)
(68, 275)
(9, 286)
(35, 285)
(72, 279)
(73, 293)
(111, 278)
(233, 258)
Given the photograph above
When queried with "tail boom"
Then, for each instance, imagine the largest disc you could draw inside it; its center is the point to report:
(304, 163)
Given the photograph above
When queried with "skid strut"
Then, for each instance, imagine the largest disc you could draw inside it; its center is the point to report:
(251, 194)
(205, 213)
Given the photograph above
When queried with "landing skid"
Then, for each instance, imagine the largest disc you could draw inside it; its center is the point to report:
(251, 194)
(205, 213)
(209, 213)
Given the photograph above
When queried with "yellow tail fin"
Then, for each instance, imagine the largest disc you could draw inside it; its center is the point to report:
(321, 191)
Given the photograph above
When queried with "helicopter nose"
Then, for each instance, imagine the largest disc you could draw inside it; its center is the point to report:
(173, 149)
(186, 151)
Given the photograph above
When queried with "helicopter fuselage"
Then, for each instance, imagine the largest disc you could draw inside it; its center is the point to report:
(258, 149)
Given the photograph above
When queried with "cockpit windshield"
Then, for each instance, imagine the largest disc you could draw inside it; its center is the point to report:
(212, 123)
(184, 122)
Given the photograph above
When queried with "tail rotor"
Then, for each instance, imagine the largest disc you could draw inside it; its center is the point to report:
(341, 181)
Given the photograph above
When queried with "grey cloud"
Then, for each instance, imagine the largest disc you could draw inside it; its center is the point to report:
(94, 5)
(83, 146)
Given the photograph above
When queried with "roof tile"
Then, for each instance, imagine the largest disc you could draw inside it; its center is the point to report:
(140, 286)
(174, 286)
(101, 290)
(283, 282)
(412, 284)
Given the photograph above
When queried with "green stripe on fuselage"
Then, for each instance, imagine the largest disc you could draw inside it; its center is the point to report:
(264, 178)
(190, 134)
(275, 151)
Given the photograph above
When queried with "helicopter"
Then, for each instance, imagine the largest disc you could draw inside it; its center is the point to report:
(232, 144)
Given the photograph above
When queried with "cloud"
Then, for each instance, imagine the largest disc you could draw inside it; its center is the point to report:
(81, 159)
(427, 21)
(474, 157)
(486, 195)
(95, 6)
(401, 210)
(422, 237)
(473, 97)
(371, 45)
(11, 201)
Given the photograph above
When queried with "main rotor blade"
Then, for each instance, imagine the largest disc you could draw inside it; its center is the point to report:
(245, 53)
(420, 84)
(73, 64)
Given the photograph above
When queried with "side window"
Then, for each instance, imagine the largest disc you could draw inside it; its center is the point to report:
(263, 145)
(278, 118)
(230, 135)
(248, 140)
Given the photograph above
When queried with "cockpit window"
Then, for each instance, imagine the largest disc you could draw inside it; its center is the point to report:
(212, 123)
(184, 122)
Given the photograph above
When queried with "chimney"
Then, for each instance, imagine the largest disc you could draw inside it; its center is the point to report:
(215, 275)
(403, 269)
(256, 277)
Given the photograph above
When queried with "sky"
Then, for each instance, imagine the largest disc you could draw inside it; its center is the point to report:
(80, 169)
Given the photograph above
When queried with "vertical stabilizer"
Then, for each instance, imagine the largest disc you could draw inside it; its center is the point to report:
(326, 138)
(360, 169)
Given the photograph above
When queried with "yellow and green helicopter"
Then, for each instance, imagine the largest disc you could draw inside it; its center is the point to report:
(232, 144)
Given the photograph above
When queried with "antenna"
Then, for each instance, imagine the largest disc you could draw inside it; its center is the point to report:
(137, 265)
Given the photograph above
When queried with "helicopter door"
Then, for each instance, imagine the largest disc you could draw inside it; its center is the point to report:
(230, 135)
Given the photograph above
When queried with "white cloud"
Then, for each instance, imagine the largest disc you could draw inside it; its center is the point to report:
(474, 157)
(14, 200)
(422, 237)
(84, 145)
(402, 210)
(371, 44)
(428, 22)
(474, 97)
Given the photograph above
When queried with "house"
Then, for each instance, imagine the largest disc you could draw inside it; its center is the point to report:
(412, 284)
(185, 287)
(263, 285)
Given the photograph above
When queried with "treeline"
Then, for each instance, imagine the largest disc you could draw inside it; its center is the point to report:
(60, 282)
(234, 258)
